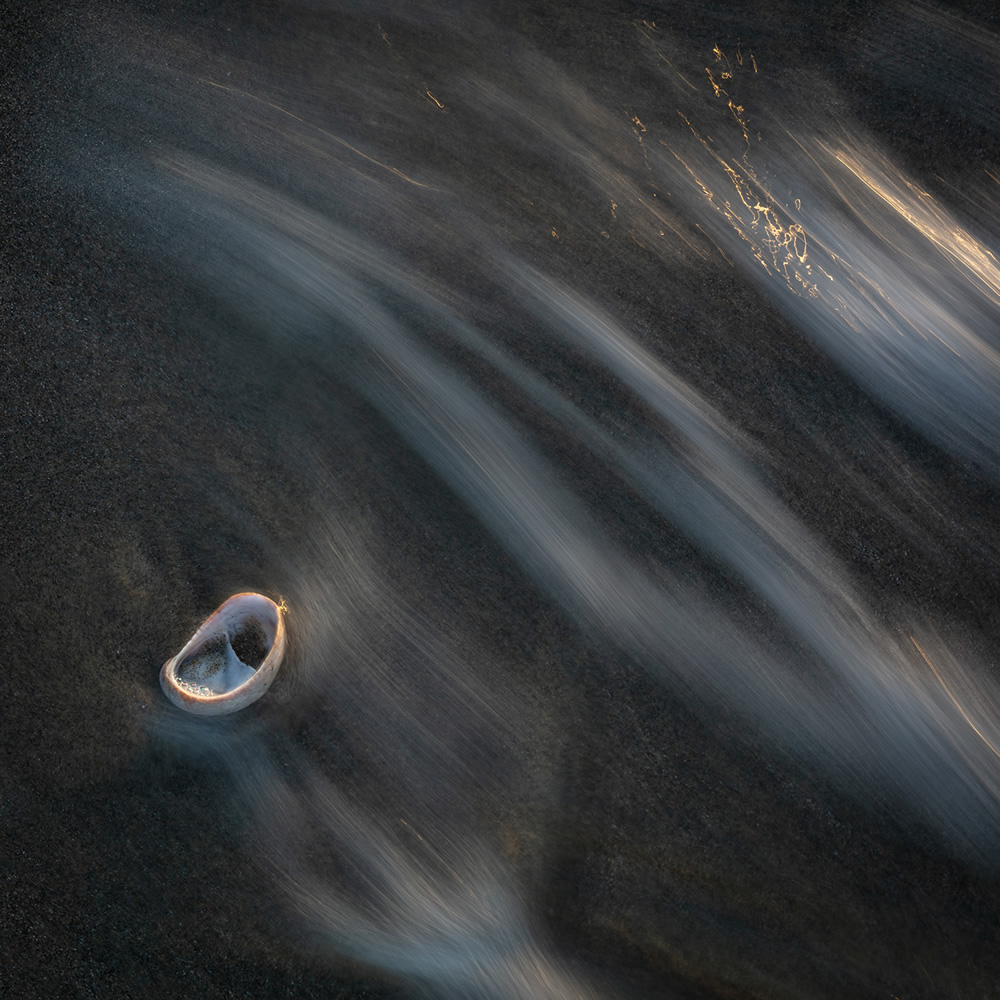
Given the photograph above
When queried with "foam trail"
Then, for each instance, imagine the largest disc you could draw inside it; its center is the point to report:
(895, 723)
(440, 918)
(895, 286)
(709, 487)
(891, 283)
(392, 872)
(443, 918)
(487, 461)
(874, 714)
(455, 350)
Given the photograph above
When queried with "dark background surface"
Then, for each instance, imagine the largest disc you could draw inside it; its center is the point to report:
(160, 450)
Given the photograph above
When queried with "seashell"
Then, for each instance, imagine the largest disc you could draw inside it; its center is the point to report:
(231, 660)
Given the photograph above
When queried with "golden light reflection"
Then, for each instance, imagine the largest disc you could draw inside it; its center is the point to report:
(779, 244)
(919, 209)
(872, 293)
(954, 700)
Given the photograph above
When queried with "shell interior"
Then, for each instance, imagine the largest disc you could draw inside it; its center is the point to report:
(225, 659)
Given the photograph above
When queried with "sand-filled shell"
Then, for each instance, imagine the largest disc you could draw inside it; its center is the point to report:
(231, 660)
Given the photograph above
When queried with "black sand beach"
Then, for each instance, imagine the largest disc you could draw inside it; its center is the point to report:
(609, 393)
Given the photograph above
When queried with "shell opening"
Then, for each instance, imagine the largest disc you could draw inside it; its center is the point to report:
(241, 642)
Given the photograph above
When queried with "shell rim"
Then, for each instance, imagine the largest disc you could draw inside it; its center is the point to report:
(233, 700)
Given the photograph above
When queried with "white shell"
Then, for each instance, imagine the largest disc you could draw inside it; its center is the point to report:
(231, 660)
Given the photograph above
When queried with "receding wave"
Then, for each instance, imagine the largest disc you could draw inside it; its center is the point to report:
(410, 279)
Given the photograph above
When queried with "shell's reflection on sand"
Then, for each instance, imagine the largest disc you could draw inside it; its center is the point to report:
(231, 660)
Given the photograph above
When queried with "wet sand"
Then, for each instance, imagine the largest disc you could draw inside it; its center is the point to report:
(465, 774)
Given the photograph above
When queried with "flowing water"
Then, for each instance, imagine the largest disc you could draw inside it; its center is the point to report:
(611, 396)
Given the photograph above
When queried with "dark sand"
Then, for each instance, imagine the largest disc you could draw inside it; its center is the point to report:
(162, 448)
